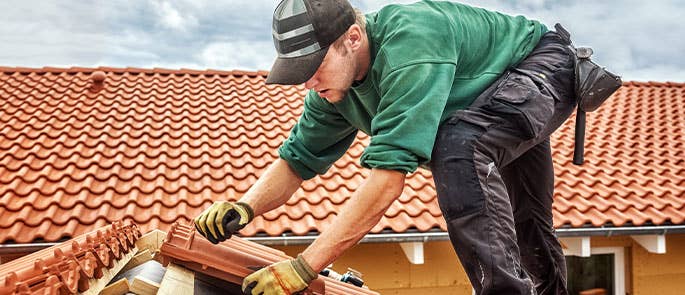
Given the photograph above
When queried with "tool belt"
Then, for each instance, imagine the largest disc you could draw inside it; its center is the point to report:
(593, 86)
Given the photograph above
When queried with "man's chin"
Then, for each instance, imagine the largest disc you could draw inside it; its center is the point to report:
(334, 100)
(335, 97)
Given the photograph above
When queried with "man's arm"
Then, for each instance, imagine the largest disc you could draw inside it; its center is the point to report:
(222, 219)
(273, 188)
(361, 213)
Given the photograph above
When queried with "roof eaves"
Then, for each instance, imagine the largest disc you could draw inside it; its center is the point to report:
(287, 239)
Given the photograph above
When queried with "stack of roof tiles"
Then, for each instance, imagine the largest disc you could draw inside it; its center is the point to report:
(234, 259)
(67, 268)
(79, 150)
(71, 267)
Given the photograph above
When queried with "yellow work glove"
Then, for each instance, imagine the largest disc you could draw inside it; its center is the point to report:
(223, 219)
(281, 278)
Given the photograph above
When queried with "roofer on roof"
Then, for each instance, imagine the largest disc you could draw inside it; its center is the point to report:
(471, 94)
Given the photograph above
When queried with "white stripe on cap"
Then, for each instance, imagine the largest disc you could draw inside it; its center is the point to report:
(300, 52)
(290, 8)
(294, 33)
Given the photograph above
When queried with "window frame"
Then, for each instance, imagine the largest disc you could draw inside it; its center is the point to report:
(619, 266)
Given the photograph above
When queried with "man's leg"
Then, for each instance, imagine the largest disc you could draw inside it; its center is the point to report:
(530, 184)
(514, 115)
(474, 201)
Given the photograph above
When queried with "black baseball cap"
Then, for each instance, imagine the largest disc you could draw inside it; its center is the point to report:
(303, 30)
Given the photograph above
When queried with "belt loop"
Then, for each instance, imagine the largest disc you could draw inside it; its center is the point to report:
(563, 33)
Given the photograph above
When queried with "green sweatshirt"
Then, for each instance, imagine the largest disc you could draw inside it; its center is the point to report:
(428, 60)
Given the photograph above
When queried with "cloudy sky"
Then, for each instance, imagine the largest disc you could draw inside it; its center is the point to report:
(641, 40)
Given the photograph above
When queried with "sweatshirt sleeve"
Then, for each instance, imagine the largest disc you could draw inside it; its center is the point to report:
(413, 98)
(320, 137)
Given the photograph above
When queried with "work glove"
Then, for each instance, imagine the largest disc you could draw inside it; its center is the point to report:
(223, 219)
(281, 278)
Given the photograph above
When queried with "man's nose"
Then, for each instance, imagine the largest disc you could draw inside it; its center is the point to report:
(312, 82)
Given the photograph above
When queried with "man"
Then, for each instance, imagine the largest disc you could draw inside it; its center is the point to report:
(471, 93)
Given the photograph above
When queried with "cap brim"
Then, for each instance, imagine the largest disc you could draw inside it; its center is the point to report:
(295, 70)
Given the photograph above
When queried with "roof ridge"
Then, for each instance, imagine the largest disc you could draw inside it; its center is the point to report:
(156, 70)
(654, 83)
(215, 72)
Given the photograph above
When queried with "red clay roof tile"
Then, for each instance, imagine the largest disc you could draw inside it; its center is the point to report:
(157, 146)
(234, 259)
(67, 267)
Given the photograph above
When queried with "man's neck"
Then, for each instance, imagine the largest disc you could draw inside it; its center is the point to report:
(364, 59)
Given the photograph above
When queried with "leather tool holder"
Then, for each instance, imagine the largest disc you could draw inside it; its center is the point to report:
(594, 85)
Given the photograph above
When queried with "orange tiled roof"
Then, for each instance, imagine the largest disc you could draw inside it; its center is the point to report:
(157, 146)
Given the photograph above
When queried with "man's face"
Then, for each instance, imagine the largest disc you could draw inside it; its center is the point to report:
(335, 74)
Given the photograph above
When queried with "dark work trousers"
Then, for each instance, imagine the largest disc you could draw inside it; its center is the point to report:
(492, 167)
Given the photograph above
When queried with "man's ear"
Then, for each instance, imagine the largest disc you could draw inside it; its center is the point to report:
(354, 37)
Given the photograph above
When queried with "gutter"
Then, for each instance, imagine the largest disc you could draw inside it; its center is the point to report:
(290, 240)
(621, 231)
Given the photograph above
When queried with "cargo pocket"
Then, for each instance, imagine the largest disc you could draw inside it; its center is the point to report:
(454, 172)
(523, 105)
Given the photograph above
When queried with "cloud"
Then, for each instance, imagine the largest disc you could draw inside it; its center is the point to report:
(638, 39)
(659, 72)
(171, 18)
(238, 55)
(633, 38)
(374, 5)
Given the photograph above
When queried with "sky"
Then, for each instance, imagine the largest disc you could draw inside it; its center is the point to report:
(640, 40)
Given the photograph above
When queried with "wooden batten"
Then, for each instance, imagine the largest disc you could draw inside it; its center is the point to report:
(143, 286)
(177, 280)
(119, 287)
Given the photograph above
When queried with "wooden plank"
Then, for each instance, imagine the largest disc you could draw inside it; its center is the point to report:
(143, 286)
(152, 241)
(177, 280)
(139, 259)
(97, 285)
(119, 287)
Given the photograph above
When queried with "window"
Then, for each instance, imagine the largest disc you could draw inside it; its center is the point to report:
(603, 269)
(596, 271)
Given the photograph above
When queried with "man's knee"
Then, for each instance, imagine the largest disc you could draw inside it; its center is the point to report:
(454, 169)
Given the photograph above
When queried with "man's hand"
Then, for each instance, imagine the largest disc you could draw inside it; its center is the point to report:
(223, 219)
(281, 278)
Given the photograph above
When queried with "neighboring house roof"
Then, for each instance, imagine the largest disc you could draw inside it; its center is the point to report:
(158, 146)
